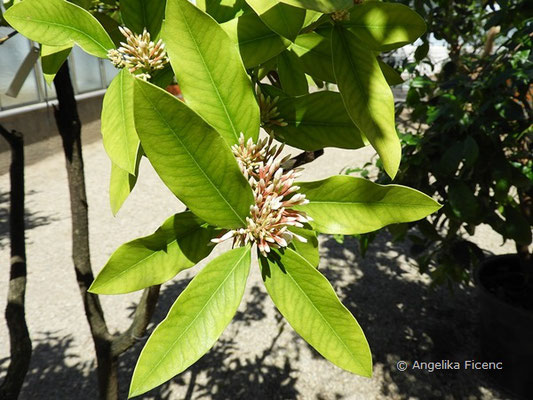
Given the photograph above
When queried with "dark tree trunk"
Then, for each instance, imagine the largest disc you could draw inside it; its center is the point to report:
(69, 126)
(19, 338)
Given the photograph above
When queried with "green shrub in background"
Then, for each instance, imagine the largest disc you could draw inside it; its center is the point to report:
(240, 67)
(467, 139)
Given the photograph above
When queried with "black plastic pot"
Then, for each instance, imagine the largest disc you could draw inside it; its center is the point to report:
(506, 329)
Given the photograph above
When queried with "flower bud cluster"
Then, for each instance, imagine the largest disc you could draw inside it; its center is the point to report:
(274, 195)
(269, 112)
(139, 54)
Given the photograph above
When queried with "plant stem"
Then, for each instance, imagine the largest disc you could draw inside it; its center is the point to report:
(19, 338)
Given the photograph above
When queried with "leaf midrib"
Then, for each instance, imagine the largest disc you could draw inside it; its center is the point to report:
(142, 260)
(215, 87)
(373, 204)
(197, 314)
(354, 358)
(63, 26)
(192, 158)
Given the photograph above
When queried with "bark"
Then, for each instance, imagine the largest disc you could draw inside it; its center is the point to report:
(19, 338)
(107, 346)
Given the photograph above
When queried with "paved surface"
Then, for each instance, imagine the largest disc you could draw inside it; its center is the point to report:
(258, 356)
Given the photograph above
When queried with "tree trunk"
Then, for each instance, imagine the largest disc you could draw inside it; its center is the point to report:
(69, 127)
(19, 338)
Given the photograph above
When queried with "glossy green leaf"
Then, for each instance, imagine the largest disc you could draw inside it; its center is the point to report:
(315, 121)
(210, 72)
(324, 6)
(111, 27)
(141, 14)
(256, 42)
(121, 185)
(309, 249)
(191, 157)
(291, 74)
(223, 10)
(314, 52)
(180, 243)
(52, 58)
(348, 205)
(59, 23)
(283, 19)
(195, 321)
(118, 125)
(309, 303)
(367, 96)
(391, 75)
(385, 26)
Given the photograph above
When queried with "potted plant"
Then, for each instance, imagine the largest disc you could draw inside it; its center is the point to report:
(468, 141)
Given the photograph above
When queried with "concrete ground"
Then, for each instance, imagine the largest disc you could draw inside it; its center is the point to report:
(258, 356)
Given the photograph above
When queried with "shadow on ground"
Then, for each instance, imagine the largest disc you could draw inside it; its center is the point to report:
(31, 219)
(402, 317)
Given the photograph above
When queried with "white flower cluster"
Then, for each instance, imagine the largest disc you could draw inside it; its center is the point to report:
(274, 194)
(139, 54)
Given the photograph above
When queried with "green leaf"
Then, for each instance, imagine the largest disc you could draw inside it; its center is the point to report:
(223, 10)
(367, 96)
(384, 26)
(180, 243)
(309, 249)
(348, 205)
(111, 27)
(314, 51)
(121, 184)
(291, 74)
(140, 14)
(118, 125)
(463, 201)
(283, 19)
(391, 75)
(324, 6)
(52, 58)
(195, 321)
(59, 23)
(309, 303)
(191, 157)
(256, 42)
(516, 226)
(210, 72)
(315, 121)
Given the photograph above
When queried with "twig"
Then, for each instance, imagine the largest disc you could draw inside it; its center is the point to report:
(6, 38)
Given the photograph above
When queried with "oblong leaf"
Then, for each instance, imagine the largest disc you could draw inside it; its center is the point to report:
(391, 75)
(314, 51)
(59, 23)
(180, 243)
(325, 6)
(367, 96)
(118, 125)
(309, 249)
(282, 18)
(257, 43)
(315, 121)
(210, 72)
(195, 321)
(121, 183)
(223, 10)
(52, 58)
(309, 303)
(191, 158)
(348, 205)
(384, 26)
(141, 14)
(291, 74)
